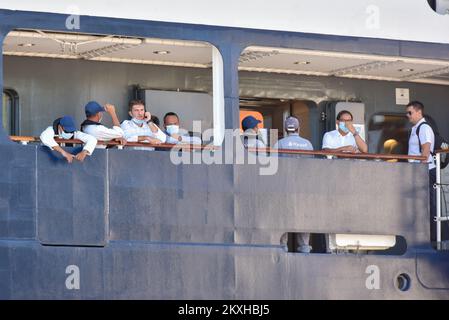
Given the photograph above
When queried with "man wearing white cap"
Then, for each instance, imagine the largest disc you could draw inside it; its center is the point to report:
(294, 142)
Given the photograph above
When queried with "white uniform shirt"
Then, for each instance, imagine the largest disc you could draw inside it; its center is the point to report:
(133, 131)
(184, 139)
(103, 133)
(252, 140)
(426, 135)
(48, 138)
(334, 140)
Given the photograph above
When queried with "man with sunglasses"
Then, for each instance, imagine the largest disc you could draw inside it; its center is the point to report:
(423, 146)
(64, 128)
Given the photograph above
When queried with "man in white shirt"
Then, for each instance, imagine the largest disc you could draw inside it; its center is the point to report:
(64, 128)
(140, 128)
(345, 138)
(423, 146)
(92, 125)
(174, 133)
(251, 137)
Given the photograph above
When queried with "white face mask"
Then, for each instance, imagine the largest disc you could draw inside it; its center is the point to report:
(172, 129)
(66, 136)
(138, 122)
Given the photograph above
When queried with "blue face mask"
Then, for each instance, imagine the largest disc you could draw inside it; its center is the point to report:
(139, 122)
(342, 127)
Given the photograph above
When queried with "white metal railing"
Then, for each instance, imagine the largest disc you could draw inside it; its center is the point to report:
(438, 187)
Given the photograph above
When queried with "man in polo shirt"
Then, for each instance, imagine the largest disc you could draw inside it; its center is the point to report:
(345, 138)
(294, 142)
(64, 128)
(92, 125)
(423, 146)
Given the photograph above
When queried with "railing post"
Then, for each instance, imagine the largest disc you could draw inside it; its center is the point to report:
(438, 191)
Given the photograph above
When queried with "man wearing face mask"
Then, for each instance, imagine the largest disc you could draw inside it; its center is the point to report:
(64, 128)
(345, 138)
(92, 125)
(173, 132)
(140, 128)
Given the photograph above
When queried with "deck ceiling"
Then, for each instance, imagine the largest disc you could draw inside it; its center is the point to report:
(36, 43)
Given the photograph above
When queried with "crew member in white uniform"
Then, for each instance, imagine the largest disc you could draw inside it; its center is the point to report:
(176, 135)
(92, 125)
(64, 128)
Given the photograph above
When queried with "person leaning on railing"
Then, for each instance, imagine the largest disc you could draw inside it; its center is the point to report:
(140, 128)
(64, 128)
(345, 138)
(174, 133)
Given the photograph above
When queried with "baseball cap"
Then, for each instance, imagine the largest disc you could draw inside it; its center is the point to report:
(68, 124)
(291, 124)
(249, 122)
(93, 108)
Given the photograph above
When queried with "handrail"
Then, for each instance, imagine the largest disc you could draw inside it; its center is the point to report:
(260, 150)
(341, 154)
(115, 143)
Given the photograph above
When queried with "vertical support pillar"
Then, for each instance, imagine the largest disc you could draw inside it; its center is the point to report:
(230, 54)
(218, 96)
(3, 134)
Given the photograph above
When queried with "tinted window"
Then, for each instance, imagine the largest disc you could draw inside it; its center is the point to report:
(388, 133)
(7, 112)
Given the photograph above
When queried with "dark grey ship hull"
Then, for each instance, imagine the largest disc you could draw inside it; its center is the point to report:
(136, 226)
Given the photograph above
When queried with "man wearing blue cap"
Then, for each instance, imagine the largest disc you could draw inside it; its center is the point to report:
(92, 125)
(251, 133)
(64, 128)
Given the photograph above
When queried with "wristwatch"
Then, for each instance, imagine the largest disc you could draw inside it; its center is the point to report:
(355, 134)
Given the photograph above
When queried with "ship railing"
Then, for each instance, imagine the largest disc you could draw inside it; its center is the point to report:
(439, 188)
(24, 140)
